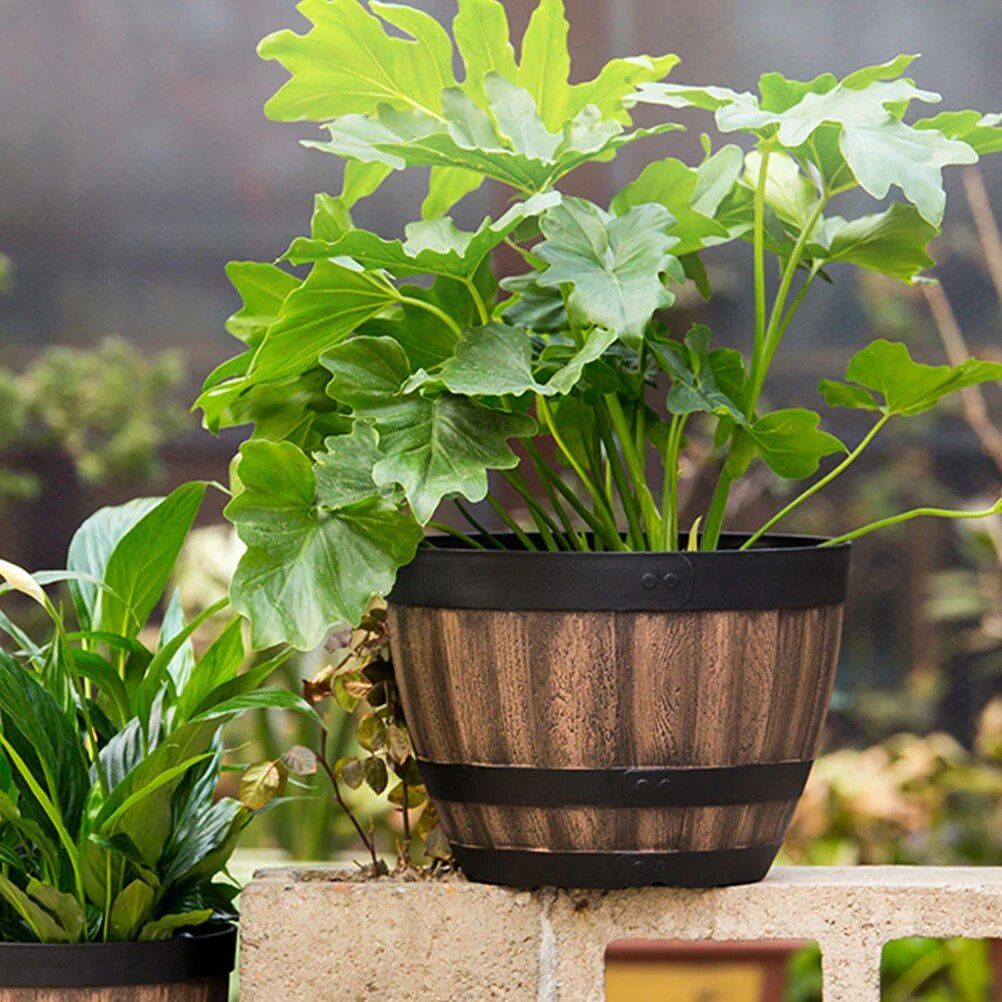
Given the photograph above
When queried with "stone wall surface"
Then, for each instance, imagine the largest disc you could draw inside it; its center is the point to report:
(311, 934)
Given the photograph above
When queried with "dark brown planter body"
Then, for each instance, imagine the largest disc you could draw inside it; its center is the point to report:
(618, 719)
(193, 967)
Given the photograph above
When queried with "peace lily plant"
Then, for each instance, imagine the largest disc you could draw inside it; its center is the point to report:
(386, 378)
(111, 747)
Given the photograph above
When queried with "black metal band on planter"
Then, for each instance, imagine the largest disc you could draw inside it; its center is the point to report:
(202, 953)
(783, 572)
(523, 786)
(531, 868)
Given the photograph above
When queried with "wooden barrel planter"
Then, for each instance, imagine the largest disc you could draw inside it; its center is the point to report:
(618, 719)
(194, 966)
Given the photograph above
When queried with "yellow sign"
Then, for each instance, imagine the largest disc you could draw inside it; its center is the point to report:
(675, 982)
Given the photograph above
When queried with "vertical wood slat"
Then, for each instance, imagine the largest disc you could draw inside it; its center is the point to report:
(605, 689)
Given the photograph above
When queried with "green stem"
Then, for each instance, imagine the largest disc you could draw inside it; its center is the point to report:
(434, 311)
(795, 304)
(635, 464)
(766, 342)
(758, 243)
(548, 529)
(577, 539)
(907, 516)
(817, 485)
(718, 504)
(482, 529)
(601, 502)
(478, 300)
(630, 507)
(669, 486)
(107, 897)
(511, 523)
(603, 530)
(461, 536)
(715, 513)
(774, 331)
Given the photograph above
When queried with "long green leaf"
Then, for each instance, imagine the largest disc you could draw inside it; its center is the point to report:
(51, 810)
(141, 562)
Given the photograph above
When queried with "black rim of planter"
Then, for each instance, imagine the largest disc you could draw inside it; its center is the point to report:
(782, 572)
(190, 956)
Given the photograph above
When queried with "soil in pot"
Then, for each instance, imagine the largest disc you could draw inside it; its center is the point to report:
(618, 719)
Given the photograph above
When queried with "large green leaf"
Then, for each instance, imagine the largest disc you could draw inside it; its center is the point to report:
(47, 740)
(790, 442)
(692, 196)
(468, 138)
(366, 371)
(308, 567)
(983, 133)
(140, 565)
(436, 247)
(344, 469)
(614, 265)
(348, 66)
(198, 835)
(348, 63)
(431, 447)
(545, 63)
(496, 360)
(91, 546)
(906, 386)
(262, 288)
(329, 305)
(696, 386)
(892, 242)
(435, 447)
(865, 110)
(481, 31)
(46, 927)
(217, 666)
(67, 910)
(130, 910)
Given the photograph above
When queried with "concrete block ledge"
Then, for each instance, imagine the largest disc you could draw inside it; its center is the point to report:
(312, 934)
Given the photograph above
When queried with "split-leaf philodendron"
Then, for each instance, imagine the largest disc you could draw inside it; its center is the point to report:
(394, 375)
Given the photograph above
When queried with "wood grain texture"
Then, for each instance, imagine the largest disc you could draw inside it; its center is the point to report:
(203, 990)
(601, 689)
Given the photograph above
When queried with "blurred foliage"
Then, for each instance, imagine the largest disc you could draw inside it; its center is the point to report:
(914, 800)
(909, 799)
(108, 408)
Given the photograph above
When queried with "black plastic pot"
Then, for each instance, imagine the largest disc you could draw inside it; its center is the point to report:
(618, 719)
(194, 966)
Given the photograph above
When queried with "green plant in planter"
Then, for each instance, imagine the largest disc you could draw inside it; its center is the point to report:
(110, 746)
(398, 373)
